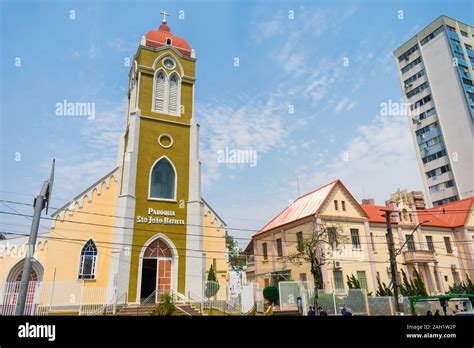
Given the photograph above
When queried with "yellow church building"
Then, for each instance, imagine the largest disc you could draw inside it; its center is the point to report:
(143, 229)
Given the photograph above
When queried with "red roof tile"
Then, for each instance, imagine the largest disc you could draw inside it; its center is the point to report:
(449, 215)
(454, 214)
(376, 213)
(158, 38)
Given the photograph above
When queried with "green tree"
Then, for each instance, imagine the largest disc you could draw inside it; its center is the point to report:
(2, 236)
(212, 284)
(353, 282)
(237, 259)
(412, 287)
(383, 289)
(271, 294)
(314, 248)
(462, 288)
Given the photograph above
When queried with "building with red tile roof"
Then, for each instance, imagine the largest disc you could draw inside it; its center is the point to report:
(436, 242)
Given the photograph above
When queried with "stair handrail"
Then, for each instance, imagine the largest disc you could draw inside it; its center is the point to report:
(181, 296)
(189, 300)
(117, 301)
(105, 308)
(148, 300)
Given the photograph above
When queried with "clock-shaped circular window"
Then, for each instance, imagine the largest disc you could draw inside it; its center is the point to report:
(165, 141)
(169, 63)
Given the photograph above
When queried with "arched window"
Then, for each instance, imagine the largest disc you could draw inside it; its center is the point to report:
(157, 248)
(163, 180)
(160, 91)
(173, 98)
(88, 260)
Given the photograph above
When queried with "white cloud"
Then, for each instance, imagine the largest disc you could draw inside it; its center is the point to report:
(252, 126)
(321, 80)
(344, 105)
(268, 29)
(104, 130)
(381, 158)
(94, 157)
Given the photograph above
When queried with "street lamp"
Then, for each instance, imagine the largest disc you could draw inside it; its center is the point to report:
(398, 252)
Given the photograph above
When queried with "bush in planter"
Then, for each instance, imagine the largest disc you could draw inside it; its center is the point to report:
(270, 293)
(212, 285)
(166, 305)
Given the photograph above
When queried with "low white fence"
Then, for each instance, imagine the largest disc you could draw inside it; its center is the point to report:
(44, 298)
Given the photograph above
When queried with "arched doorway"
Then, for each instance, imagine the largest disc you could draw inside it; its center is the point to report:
(12, 288)
(157, 268)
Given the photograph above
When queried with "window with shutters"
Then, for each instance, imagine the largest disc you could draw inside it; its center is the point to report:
(166, 93)
(173, 98)
(160, 84)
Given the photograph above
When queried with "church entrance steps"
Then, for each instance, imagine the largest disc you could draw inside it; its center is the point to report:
(189, 310)
(142, 310)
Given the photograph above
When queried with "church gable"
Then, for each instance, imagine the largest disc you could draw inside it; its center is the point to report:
(88, 197)
(341, 203)
(211, 216)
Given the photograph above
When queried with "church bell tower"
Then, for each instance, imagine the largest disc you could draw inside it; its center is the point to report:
(160, 174)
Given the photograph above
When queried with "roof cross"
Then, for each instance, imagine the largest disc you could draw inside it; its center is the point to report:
(164, 13)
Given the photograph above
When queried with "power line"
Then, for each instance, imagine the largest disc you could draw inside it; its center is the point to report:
(144, 230)
(184, 249)
(179, 236)
(131, 218)
(107, 205)
(451, 211)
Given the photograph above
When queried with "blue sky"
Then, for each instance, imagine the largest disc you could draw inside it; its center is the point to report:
(283, 62)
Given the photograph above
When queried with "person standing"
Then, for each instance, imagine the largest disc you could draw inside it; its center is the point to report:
(322, 312)
(344, 310)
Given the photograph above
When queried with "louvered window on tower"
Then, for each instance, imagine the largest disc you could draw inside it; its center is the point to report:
(173, 94)
(160, 92)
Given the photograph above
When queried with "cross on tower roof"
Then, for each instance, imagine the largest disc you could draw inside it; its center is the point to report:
(164, 13)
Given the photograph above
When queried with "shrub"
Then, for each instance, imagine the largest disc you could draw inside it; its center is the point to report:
(212, 285)
(270, 293)
(166, 305)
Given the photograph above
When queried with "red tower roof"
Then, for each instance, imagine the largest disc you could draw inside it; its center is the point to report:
(164, 37)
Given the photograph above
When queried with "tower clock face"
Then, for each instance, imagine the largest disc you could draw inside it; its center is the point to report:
(169, 63)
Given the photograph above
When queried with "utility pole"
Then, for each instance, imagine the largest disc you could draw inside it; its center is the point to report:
(393, 260)
(41, 201)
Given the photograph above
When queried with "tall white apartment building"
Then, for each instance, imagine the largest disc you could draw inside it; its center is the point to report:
(435, 68)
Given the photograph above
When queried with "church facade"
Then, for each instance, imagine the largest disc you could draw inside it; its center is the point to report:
(143, 229)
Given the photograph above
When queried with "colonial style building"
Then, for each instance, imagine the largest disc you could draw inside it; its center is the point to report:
(143, 228)
(441, 249)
